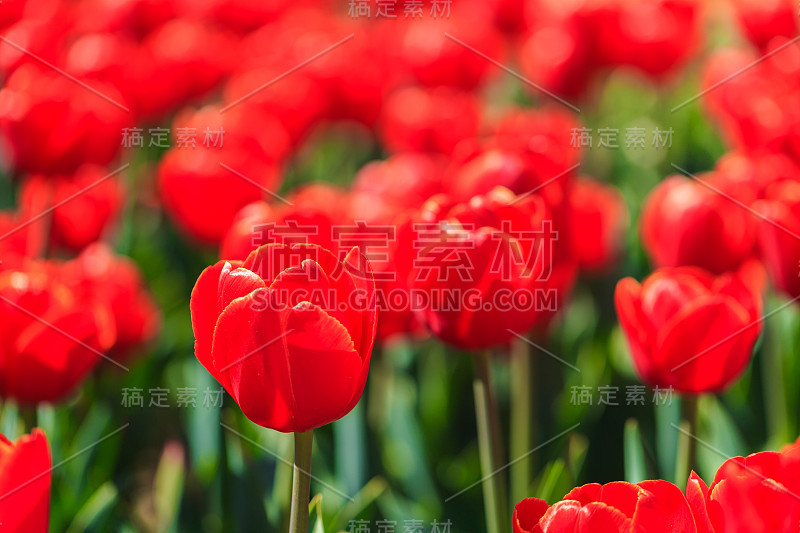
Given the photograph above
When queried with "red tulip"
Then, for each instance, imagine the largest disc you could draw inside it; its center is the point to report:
(88, 202)
(686, 223)
(25, 483)
(474, 259)
(759, 493)
(115, 281)
(50, 338)
(314, 211)
(599, 219)
(435, 59)
(625, 34)
(756, 106)
(618, 507)
(288, 333)
(763, 20)
(434, 120)
(203, 187)
(689, 330)
(779, 235)
(558, 56)
(53, 125)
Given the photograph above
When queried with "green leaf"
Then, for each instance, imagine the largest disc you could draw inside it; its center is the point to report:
(635, 467)
(95, 508)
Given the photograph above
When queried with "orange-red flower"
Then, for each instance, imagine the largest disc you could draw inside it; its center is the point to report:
(50, 339)
(686, 223)
(759, 493)
(25, 483)
(480, 264)
(114, 281)
(619, 507)
(288, 333)
(690, 330)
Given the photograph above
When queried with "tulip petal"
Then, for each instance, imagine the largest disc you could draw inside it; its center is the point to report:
(527, 514)
(204, 306)
(697, 498)
(25, 483)
(249, 359)
(705, 346)
(325, 368)
(662, 506)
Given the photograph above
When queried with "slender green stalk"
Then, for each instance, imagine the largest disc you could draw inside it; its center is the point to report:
(522, 423)
(490, 446)
(301, 482)
(687, 442)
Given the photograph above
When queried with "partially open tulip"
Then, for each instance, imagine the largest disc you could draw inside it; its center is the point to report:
(99, 275)
(25, 483)
(686, 223)
(480, 264)
(50, 339)
(288, 333)
(690, 330)
(655, 506)
(759, 493)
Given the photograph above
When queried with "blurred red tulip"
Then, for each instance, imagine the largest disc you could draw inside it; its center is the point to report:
(759, 493)
(689, 330)
(203, 185)
(178, 63)
(441, 51)
(757, 170)
(309, 218)
(779, 235)
(288, 333)
(755, 100)
(626, 34)
(50, 338)
(25, 483)
(383, 190)
(599, 221)
(429, 120)
(688, 223)
(619, 507)
(52, 125)
(763, 20)
(476, 260)
(558, 56)
(87, 203)
(114, 281)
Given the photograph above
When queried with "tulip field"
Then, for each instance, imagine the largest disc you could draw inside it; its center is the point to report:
(400, 266)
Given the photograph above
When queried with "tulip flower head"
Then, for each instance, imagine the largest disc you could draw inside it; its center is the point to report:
(754, 494)
(288, 333)
(476, 259)
(618, 507)
(25, 483)
(690, 330)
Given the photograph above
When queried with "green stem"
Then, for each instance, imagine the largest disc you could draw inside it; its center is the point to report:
(687, 442)
(301, 482)
(29, 417)
(490, 446)
(522, 423)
